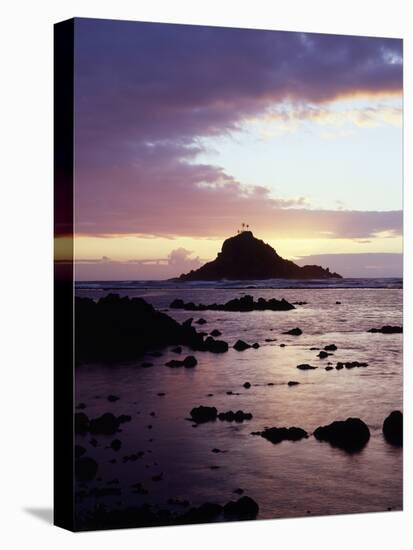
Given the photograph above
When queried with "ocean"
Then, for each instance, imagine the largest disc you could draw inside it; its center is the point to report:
(288, 479)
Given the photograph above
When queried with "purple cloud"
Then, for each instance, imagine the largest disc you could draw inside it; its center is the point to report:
(146, 92)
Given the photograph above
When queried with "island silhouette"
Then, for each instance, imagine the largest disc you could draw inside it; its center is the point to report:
(244, 257)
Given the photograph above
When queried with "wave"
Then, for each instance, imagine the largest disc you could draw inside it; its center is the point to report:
(386, 283)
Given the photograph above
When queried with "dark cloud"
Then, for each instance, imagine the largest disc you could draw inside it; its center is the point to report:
(146, 93)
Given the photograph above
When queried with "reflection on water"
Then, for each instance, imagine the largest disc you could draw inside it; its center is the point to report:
(288, 479)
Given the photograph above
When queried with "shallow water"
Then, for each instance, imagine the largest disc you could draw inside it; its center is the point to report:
(288, 479)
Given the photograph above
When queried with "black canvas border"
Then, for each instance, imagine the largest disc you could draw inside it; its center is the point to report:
(63, 384)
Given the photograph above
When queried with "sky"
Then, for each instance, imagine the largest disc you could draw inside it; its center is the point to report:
(184, 132)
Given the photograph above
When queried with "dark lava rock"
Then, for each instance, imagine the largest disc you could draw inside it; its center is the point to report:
(314, 349)
(203, 414)
(256, 345)
(190, 362)
(244, 257)
(122, 328)
(178, 349)
(331, 347)
(116, 444)
(393, 428)
(339, 366)
(203, 514)
(238, 416)
(240, 345)
(294, 332)
(216, 333)
(329, 368)
(79, 451)
(305, 366)
(216, 451)
(201, 321)
(161, 394)
(323, 354)
(158, 477)
(214, 346)
(174, 364)
(387, 329)
(113, 398)
(243, 509)
(106, 424)
(293, 383)
(247, 385)
(276, 435)
(270, 339)
(85, 469)
(81, 423)
(243, 304)
(124, 418)
(338, 303)
(282, 345)
(350, 435)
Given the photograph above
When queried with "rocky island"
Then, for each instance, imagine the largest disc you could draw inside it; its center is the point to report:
(244, 257)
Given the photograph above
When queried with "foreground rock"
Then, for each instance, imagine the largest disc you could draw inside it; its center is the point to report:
(387, 329)
(106, 424)
(189, 363)
(238, 416)
(276, 435)
(393, 428)
(203, 414)
(115, 328)
(350, 435)
(305, 366)
(245, 303)
(85, 469)
(294, 332)
(243, 509)
(246, 257)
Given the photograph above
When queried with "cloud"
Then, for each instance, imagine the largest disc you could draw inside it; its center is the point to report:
(146, 93)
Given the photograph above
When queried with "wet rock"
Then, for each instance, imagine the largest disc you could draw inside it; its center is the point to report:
(113, 398)
(203, 514)
(190, 362)
(256, 345)
(79, 451)
(282, 345)
(339, 366)
(277, 435)
(350, 435)
(240, 345)
(294, 332)
(393, 428)
(158, 477)
(124, 418)
(331, 347)
(270, 339)
(106, 424)
(354, 364)
(323, 354)
(338, 303)
(215, 333)
(314, 349)
(305, 366)
(244, 508)
(214, 346)
(293, 383)
(81, 423)
(178, 349)
(329, 368)
(201, 321)
(387, 329)
(203, 414)
(247, 385)
(216, 451)
(116, 444)
(243, 304)
(238, 416)
(85, 469)
(161, 394)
